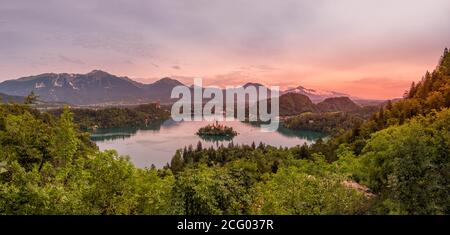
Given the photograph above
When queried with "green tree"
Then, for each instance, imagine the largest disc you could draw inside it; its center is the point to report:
(31, 98)
(176, 164)
(207, 190)
(409, 165)
(293, 192)
(66, 141)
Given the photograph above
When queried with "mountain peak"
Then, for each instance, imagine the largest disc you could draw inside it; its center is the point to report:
(338, 98)
(253, 84)
(314, 95)
(97, 72)
(167, 81)
(334, 104)
(294, 103)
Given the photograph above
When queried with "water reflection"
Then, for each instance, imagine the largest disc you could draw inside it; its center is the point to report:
(156, 143)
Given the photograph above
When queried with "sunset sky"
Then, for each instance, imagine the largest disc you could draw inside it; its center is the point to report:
(370, 49)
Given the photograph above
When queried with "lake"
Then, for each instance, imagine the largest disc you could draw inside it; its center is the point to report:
(157, 143)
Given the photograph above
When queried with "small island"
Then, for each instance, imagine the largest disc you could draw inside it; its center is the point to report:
(216, 130)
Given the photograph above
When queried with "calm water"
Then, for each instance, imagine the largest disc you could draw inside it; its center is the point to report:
(157, 143)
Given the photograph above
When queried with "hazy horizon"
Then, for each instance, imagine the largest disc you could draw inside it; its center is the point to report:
(375, 52)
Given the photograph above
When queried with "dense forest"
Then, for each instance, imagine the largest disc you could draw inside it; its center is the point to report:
(397, 162)
(136, 116)
(330, 122)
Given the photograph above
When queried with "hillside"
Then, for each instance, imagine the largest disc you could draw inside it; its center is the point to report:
(431, 93)
(313, 94)
(10, 98)
(161, 90)
(338, 104)
(292, 104)
(96, 87)
(295, 103)
(110, 117)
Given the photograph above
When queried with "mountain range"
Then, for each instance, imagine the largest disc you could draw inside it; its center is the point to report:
(101, 88)
(315, 95)
(96, 87)
(296, 103)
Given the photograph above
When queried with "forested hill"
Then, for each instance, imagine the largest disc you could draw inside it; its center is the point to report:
(336, 104)
(403, 149)
(109, 117)
(292, 104)
(432, 92)
(10, 98)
